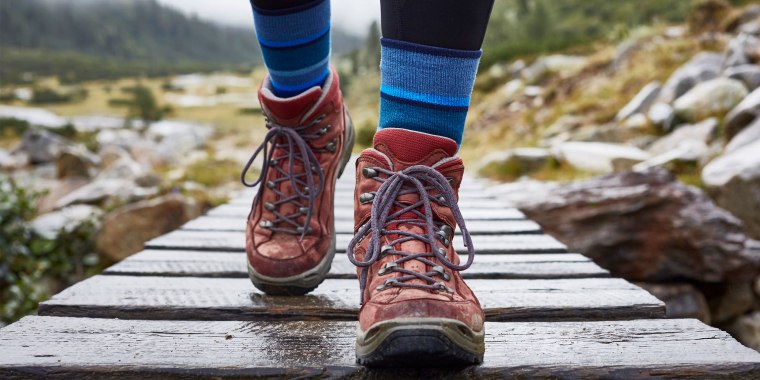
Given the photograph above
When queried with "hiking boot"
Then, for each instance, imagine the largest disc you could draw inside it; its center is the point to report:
(290, 236)
(416, 309)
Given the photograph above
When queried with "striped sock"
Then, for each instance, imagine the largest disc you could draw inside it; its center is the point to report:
(426, 88)
(295, 43)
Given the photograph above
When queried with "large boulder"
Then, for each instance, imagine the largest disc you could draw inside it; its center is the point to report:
(597, 157)
(733, 179)
(126, 229)
(747, 74)
(701, 67)
(641, 102)
(748, 135)
(743, 114)
(647, 226)
(711, 98)
(41, 146)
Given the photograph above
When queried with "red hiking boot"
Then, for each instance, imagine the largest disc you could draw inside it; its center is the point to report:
(290, 237)
(416, 309)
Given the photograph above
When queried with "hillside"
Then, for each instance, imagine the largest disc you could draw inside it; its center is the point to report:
(97, 39)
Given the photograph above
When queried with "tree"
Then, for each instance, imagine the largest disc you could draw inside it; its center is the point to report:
(372, 47)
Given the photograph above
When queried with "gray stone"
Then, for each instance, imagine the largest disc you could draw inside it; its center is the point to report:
(641, 102)
(647, 226)
(701, 67)
(687, 151)
(714, 97)
(748, 135)
(747, 74)
(733, 179)
(681, 300)
(662, 115)
(75, 162)
(124, 138)
(41, 146)
(523, 192)
(741, 50)
(742, 115)
(34, 116)
(51, 224)
(734, 299)
(596, 157)
(126, 229)
(563, 65)
(106, 191)
(110, 154)
(703, 132)
(746, 329)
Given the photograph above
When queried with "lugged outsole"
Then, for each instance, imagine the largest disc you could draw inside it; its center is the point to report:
(419, 342)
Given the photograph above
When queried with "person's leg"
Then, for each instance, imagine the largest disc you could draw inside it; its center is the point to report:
(290, 237)
(430, 55)
(294, 36)
(416, 308)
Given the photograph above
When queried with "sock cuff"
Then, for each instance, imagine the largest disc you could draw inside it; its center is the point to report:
(428, 76)
(292, 27)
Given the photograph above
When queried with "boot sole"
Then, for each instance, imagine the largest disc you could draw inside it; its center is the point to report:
(419, 342)
(304, 283)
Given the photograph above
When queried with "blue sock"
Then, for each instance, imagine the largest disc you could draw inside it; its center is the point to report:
(295, 44)
(426, 88)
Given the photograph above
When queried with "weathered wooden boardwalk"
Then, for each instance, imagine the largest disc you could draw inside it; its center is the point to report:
(185, 308)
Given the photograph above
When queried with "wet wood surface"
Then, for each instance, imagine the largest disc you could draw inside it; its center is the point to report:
(85, 348)
(184, 308)
(132, 297)
(179, 263)
(235, 242)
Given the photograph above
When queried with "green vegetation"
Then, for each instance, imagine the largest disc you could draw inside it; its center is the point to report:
(213, 172)
(32, 267)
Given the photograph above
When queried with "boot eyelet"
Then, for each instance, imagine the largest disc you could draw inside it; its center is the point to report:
(443, 238)
(369, 173)
(301, 229)
(271, 184)
(447, 230)
(269, 206)
(441, 272)
(388, 268)
(303, 210)
(332, 146)
(323, 131)
(387, 284)
(384, 249)
(265, 224)
(365, 198)
(442, 287)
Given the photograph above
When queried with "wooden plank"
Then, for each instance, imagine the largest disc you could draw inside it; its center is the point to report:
(235, 241)
(347, 213)
(196, 298)
(233, 265)
(84, 348)
(344, 226)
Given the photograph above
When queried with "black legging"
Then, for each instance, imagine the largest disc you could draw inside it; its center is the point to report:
(453, 24)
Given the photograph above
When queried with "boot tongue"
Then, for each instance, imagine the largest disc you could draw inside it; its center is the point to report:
(406, 147)
(289, 111)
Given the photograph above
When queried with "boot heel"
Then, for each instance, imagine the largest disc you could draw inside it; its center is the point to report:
(348, 146)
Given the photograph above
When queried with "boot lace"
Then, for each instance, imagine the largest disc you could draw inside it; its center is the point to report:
(292, 142)
(387, 212)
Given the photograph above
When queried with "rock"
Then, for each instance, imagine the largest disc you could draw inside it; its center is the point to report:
(746, 329)
(126, 229)
(647, 226)
(41, 146)
(636, 122)
(741, 115)
(747, 74)
(57, 190)
(714, 97)
(748, 135)
(10, 161)
(177, 138)
(524, 191)
(39, 117)
(109, 154)
(124, 168)
(681, 300)
(701, 67)
(703, 132)
(734, 299)
(662, 115)
(564, 65)
(124, 138)
(687, 151)
(596, 157)
(742, 49)
(733, 179)
(51, 224)
(514, 163)
(511, 90)
(74, 162)
(641, 102)
(106, 191)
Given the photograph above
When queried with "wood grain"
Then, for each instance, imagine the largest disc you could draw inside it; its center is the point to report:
(235, 242)
(228, 264)
(345, 226)
(84, 348)
(347, 213)
(194, 298)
